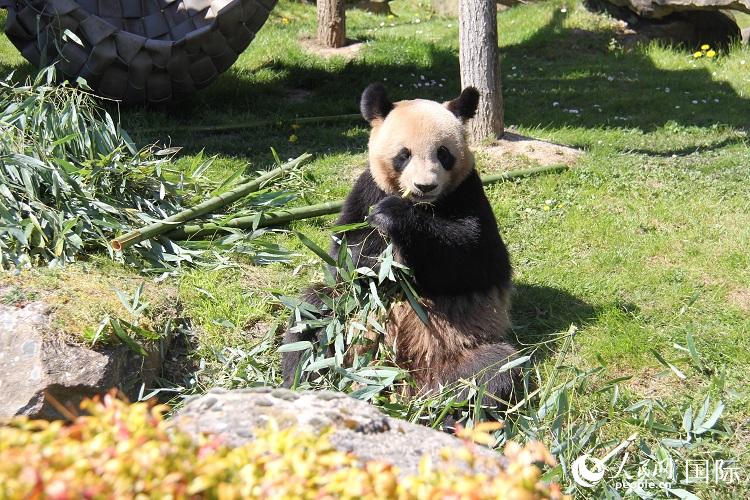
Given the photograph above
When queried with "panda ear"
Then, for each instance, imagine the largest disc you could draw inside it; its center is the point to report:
(465, 105)
(375, 104)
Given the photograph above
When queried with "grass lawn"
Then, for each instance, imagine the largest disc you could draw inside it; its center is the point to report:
(640, 246)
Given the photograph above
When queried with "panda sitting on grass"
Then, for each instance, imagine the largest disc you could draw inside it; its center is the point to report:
(423, 194)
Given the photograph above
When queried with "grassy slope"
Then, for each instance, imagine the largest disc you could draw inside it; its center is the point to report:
(642, 243)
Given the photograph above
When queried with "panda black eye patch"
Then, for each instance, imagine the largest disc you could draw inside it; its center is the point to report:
(401, 159)
(445, 157)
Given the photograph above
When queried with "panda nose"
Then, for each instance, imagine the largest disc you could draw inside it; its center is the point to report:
(425, 188)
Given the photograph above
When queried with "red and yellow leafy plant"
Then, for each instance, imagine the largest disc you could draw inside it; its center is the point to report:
(121, 450)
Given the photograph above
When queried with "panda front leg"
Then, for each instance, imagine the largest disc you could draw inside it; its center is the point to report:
(428, 242)
(402, 220)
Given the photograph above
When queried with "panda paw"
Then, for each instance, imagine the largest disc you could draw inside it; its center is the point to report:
(388, 212)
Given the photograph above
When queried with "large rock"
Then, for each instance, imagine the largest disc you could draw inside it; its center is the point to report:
(656, 9)
(682, 22)
(36, 368)
(359, 428)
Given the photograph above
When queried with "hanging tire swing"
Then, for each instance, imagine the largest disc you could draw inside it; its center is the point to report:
(136, 50)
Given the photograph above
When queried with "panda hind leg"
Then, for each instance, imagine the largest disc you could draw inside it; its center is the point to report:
(290, 361)
(483, 364)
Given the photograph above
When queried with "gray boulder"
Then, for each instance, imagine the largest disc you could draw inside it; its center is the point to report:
(680, 22)
(37, 370)
(359, 427)
(657, 9)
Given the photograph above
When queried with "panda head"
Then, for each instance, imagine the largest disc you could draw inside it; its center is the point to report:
(418, 146)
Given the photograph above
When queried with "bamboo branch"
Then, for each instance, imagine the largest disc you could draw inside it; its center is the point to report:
(229, 127)
(198, 231)
(525, 172)
(210, 205)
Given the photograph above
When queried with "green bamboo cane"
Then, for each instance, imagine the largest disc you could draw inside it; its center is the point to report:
(277, 218)
(230, 127)
(210, 205)
(197, 231)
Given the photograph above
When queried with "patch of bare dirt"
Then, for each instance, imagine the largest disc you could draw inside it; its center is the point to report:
(348, 51)
(653, 383)
(298, 95)
(740, 297)
(515, 147)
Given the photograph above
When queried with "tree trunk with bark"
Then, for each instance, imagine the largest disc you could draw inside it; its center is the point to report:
(479, 56)
(331, 23)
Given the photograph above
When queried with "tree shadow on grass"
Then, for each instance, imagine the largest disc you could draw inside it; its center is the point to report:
(571, 67)
(609, 88)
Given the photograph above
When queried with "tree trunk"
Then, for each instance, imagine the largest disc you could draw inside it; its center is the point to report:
(331, 23)
(479, 56)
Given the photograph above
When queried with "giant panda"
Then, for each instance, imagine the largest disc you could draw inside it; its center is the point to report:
(422, 193)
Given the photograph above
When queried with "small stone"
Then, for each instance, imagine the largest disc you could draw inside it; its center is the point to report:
(328, 396)
(245, 433)
(207, 402)
(284, 394)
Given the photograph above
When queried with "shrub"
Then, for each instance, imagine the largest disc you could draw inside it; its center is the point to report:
(125, 451)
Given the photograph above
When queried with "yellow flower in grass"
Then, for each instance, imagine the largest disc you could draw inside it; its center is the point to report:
(705, 46)
(711, 53)
(698, 54)
(293, 138)
(284, 20)
(391, 17)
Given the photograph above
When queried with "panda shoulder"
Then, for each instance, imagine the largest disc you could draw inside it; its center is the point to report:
(366, 189)
(364, 194)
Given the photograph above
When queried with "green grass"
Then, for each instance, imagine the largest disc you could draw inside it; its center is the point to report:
(645, 241)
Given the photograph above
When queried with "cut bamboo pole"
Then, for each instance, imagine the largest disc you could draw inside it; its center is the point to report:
(229, 127)
(210, 205)
(197, 231)
(521, 173)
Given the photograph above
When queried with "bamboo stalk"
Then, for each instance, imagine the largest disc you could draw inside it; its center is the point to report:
(525, 172)
(278, 218)
(210, 205)
(198, 231)
(229, 127)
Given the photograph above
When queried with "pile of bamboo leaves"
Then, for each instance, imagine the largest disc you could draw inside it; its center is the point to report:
(71, 180)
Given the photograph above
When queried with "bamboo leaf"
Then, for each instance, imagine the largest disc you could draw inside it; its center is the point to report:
(694, 351)
(296, 346)
(414, 302)
(316, 249)
(711, 422)
(669, 365)
(125, 338)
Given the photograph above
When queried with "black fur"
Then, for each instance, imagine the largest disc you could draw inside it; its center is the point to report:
(401, 160)
(452, 246)
(446, 158)
(374, 103)
(465, 105)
